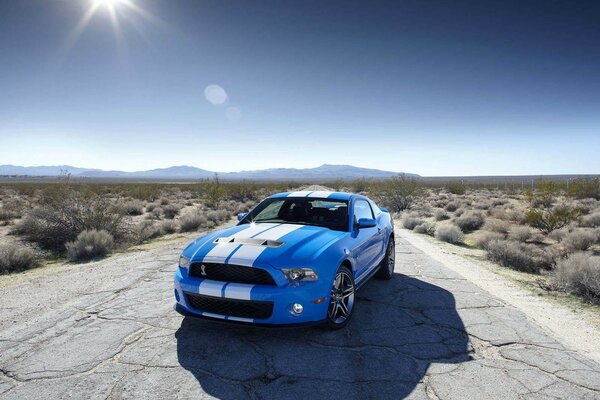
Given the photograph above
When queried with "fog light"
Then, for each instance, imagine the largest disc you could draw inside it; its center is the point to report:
(297, 308)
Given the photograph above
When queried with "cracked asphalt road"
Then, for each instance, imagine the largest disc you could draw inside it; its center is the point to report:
(107, 330)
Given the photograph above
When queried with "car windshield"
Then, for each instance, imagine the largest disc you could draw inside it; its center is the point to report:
(332, 214)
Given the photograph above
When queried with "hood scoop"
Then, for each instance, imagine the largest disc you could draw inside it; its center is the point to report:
(251, 241)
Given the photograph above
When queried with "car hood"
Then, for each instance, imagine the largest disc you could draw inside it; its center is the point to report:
(278, 245)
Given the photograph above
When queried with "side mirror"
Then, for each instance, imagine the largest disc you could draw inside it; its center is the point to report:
(384, 209)
(241, 216)
(366, 223)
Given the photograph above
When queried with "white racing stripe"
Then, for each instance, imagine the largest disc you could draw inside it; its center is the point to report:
(211, 288)
(302, 193)
(222, 250)
(321, 193)
(247, 254)
(238, 291)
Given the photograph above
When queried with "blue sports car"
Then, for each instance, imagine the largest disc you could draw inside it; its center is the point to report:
(296, 258)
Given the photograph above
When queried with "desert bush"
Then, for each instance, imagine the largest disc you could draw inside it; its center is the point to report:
(470, 221)
(483, 238)
(167, 227)
(547, 220)
(519, 256)
(164, 201)
(440, 215)
(410, 221)
(65, 212)
(456, 188)
(7, 215)
(151, 206)
(579, 274)
(427, 228)
(14, 258)
(508, 214)
(579, 239)
(544, 195)
(171, 211)
(497, 225)
(449, 233)
(583, 188)
(155, 213)
(559, 234)
(90, 244)
(453, 205)
(591, 220)
(521, 234)
(132, 207)
(147, 230)
(191, 221)
(218, 216)
(399, 193)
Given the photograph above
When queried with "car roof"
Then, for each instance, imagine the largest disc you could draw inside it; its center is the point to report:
(318, 194)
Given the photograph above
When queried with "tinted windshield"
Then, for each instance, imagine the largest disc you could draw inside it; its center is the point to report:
(332, 214)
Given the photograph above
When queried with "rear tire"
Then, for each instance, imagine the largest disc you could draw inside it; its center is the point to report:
(341, 299)
(386, 267)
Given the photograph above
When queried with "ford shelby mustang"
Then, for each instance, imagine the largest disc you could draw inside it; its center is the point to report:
(296, 258)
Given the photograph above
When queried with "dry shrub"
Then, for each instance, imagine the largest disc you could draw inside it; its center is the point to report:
(579, 239)
(547, 220)
(132, 207)
(191, 221)
(453, 206)
(579, 274)
(399, 193)
(508, 214)
(171, 211)
(521, 234)
(591, 220)
(218, 216)
(440, 215)
(519, 256)
(65, 213)
(427, 228)
(497, 225)
(410, 221)
(151, 206)
(168, 227)
(90, 245)
(482, 239)
(470, 221)
(449, 233)
(14, 258)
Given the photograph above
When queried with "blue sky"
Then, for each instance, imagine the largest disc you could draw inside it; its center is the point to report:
(470, 88)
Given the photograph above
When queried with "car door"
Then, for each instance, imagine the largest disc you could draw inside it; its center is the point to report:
(366, 239)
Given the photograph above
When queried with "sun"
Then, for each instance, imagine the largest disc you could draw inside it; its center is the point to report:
(107, 3)
(117, 9)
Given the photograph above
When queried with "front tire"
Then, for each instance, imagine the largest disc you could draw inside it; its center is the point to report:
(341, 299)
(386, 268)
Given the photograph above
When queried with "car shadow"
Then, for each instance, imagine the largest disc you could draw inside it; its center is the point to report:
(400, 327)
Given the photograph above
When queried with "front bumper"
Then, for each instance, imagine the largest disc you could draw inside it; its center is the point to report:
(282, 298)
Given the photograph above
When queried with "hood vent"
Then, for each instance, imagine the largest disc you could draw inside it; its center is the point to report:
(251, 241)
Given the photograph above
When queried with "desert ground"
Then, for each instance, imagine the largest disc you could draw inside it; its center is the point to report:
(486, 301)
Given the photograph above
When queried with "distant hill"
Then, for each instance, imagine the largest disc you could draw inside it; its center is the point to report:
(322, 173)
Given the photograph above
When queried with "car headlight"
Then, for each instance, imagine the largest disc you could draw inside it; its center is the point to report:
(300, 274)
(184, 261)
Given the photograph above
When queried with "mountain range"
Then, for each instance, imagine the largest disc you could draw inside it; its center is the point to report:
(184, 172)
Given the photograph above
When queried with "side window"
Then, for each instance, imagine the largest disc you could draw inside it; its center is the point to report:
(362, 209)
(376, 209)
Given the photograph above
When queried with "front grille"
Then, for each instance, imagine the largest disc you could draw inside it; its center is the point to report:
(231, 273)
(231, 307)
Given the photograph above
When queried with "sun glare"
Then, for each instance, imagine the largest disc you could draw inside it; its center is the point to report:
(117, 9)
